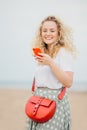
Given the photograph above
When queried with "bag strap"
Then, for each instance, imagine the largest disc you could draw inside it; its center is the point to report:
(61, 94)
(33, 85)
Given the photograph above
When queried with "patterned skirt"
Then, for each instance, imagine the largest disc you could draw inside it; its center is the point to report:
(61, 118)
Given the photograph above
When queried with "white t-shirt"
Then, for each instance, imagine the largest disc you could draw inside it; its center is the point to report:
(44, 77)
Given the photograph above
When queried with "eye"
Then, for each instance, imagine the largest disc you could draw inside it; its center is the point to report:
(44, 30)
(52, 31)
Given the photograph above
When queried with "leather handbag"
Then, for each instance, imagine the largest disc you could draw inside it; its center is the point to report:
(41, 109)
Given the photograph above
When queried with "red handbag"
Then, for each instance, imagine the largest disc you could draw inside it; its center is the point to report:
(41, 109)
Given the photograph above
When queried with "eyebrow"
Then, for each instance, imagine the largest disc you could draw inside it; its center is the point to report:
(50, 28)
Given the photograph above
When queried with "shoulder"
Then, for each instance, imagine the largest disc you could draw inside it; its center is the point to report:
(63, 52)
(65, 55)
(66, 59)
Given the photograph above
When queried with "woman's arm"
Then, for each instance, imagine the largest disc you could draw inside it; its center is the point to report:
(65, 77)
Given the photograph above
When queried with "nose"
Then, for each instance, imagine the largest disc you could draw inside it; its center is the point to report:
(48, 33)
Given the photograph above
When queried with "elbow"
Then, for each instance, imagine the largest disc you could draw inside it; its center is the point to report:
(69, 80)
(68, 84)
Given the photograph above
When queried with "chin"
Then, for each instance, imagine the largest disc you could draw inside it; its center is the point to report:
(49, 43)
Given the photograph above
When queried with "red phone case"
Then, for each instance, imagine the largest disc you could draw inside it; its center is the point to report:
(36, 51)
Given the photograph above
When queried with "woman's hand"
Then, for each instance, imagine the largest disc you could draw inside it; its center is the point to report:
(44, 59)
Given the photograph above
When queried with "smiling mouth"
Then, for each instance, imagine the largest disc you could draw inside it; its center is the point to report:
(48, 38)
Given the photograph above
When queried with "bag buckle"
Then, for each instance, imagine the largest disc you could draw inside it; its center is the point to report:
(37, 106)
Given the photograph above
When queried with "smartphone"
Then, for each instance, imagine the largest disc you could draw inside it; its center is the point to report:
(36, 51)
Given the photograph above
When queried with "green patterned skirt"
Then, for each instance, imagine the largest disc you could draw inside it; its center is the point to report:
(61, 118)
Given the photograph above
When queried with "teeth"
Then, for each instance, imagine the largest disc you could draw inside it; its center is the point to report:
(48, 38)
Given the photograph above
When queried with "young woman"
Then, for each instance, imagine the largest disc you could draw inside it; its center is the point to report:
(54, 71)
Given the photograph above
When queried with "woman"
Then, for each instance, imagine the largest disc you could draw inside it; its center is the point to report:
(54, 71)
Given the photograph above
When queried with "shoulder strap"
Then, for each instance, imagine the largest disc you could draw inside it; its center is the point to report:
(33, 85)
(61, 94)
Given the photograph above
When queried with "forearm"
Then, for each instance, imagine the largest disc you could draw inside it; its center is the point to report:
(64, 77)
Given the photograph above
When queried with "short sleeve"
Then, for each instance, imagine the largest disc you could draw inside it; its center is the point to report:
(66, 60)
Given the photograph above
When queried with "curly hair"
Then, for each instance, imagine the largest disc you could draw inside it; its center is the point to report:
(64, 38)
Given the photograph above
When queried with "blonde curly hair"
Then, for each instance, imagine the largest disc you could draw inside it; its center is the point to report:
(64, 38)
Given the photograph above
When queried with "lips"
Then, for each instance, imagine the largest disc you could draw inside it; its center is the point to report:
(48, 38)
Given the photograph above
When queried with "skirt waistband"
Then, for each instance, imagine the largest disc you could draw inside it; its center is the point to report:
(46, 88)
(47, 92)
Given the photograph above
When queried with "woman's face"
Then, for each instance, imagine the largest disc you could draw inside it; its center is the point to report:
(49, 32)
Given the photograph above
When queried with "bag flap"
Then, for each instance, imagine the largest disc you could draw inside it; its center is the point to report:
(44, 101)
(34, 99)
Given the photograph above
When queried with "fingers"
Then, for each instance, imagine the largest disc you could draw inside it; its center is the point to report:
(43, 58)
(39, 58)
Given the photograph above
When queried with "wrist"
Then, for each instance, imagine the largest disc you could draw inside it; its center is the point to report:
(51, 63)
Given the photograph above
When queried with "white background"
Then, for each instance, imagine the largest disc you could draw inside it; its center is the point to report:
(19, 20)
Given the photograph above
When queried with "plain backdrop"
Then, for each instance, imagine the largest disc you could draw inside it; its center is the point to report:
(19, 21)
